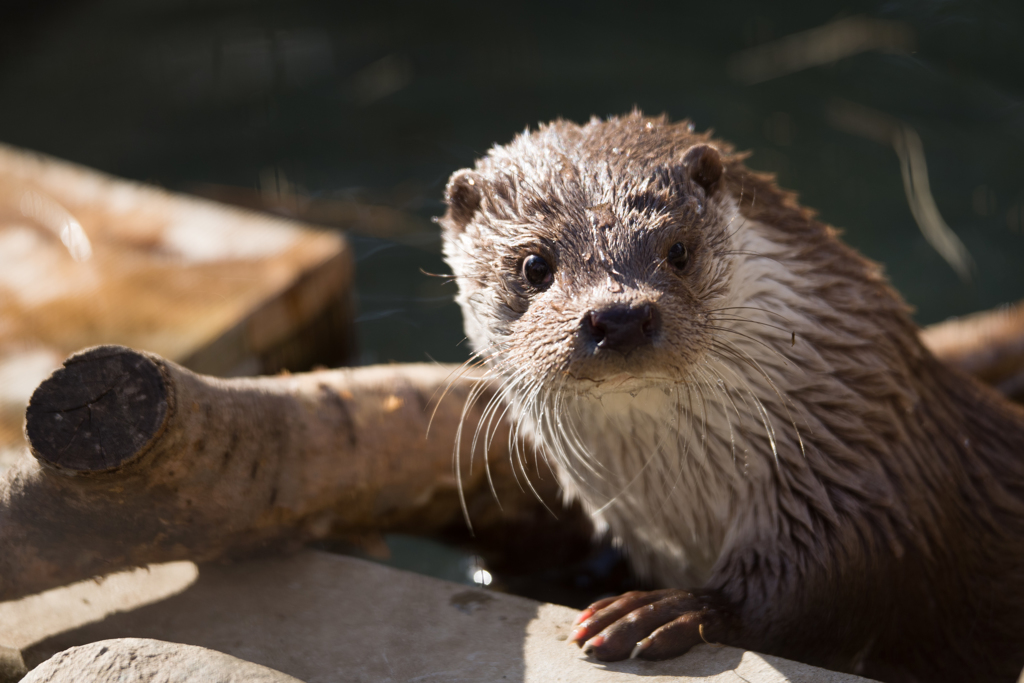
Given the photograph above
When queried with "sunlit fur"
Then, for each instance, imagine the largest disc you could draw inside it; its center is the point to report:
(786, 440)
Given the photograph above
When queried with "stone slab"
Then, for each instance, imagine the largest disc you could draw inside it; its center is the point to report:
(322, 617)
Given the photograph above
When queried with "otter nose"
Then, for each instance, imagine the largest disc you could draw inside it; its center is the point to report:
(621, 327)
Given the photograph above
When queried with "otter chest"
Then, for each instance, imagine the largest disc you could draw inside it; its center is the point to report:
(643, 463)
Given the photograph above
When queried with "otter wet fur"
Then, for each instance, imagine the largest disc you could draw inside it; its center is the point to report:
(743, 402)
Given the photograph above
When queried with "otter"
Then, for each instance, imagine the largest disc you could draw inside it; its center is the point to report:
(742, 400)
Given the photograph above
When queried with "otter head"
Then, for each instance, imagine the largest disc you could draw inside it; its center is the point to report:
(592, 257)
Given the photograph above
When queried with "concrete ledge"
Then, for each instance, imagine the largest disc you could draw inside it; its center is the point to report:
(35, 618)
(322, 617)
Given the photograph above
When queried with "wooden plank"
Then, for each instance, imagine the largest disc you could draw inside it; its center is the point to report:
(219, 289)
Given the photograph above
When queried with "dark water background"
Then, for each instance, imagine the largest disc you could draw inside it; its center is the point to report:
(380, 102)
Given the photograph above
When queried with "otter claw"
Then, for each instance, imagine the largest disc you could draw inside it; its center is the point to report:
(640, 647)
(591, 646)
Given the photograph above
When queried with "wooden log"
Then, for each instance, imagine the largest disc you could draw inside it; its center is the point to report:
(988, 345)
(139, 460)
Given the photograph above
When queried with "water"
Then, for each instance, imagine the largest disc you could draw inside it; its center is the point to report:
(380, 103)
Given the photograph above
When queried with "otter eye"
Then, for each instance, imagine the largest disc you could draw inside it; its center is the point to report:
(678, 257)
(536, 271)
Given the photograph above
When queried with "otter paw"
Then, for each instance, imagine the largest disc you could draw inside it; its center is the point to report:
(648, 625)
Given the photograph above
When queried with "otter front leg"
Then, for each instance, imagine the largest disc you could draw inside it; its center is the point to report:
(650, 625)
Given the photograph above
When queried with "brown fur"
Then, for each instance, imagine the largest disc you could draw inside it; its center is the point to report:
(855, 503)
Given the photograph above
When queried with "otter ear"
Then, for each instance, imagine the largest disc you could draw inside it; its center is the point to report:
(462, 197)
(703, 166)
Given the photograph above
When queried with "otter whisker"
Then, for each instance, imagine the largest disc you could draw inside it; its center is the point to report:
(526, 476)
(487, 421)
(458, 373)
(748, 337)
(760, 309)
(703, 425)
(755, 254)
(762, 411)
(682, 460)
(572, 438)
(703, 375)
(784, 400)
(571, 449)
(742, 397)
(471, 400)
(493, 424)
(750, 321)
(726, 234)
(646, 463)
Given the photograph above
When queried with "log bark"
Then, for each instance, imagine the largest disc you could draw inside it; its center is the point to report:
(138, 460)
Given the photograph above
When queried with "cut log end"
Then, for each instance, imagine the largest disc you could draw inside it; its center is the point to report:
(99, 411)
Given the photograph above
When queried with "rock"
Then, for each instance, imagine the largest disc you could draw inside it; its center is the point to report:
(139, 660)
